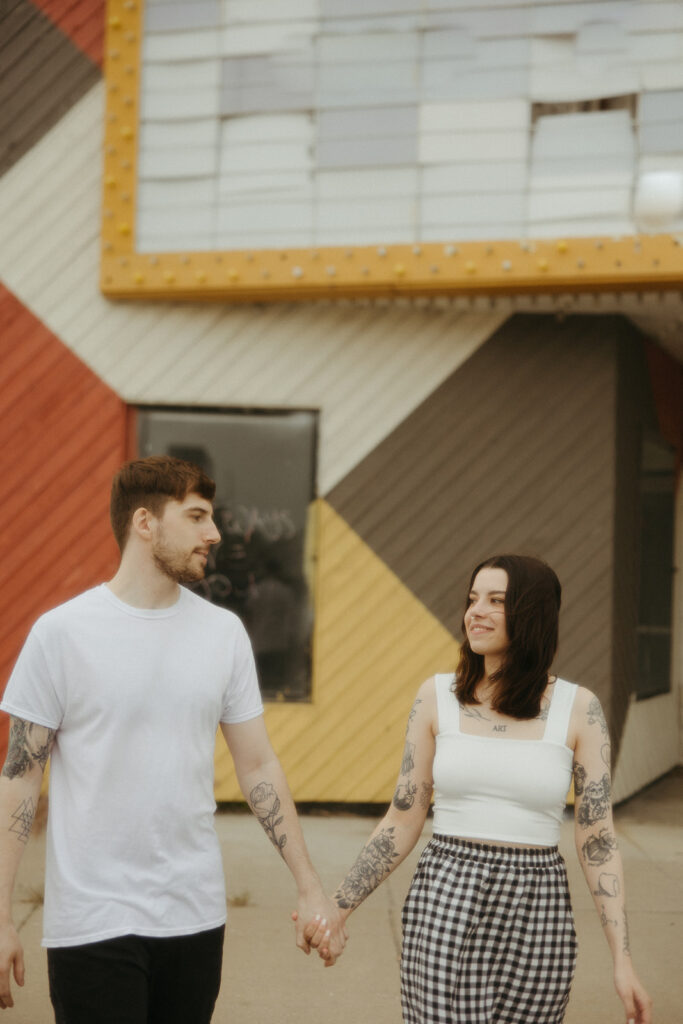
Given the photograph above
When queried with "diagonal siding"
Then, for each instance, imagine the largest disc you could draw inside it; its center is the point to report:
(81, 20)
(64, 434)
(474, 470)
(43, 74)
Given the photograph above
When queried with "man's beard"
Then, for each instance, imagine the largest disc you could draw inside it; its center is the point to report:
(177, 567)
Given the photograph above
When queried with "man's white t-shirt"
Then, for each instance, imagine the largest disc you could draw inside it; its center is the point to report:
(136, 696)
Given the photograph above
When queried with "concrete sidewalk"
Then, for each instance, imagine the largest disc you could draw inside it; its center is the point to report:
(266, 979)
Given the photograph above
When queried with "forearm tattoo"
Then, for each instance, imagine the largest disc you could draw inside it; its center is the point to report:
(265, 804)
(627, 941)
(373, 864)
(29, 745)
(605, 920)
(608, 885)
(598, 849)
(22, 820)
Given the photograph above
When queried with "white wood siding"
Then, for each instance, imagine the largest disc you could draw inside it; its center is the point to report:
(365, 367)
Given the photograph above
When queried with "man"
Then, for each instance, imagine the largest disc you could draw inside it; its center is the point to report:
(125, 686)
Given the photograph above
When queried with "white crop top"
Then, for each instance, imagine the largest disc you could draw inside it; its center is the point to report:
(498, 788)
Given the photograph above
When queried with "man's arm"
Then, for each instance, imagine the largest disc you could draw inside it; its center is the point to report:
(27, 755)
(265, 788)
(596, 846)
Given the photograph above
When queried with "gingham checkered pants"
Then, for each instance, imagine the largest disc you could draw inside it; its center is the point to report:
(488, 936)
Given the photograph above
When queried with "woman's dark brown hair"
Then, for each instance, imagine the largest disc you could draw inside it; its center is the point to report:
(532, 607)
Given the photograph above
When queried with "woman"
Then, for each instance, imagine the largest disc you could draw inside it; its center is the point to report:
(488, 932)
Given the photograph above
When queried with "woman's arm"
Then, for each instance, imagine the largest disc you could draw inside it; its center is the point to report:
(400, 828)
(596, 846)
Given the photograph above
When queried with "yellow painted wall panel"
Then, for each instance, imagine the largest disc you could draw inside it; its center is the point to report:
(374, 644)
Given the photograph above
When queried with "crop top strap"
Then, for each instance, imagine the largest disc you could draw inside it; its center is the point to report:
(447, 706)
(560, 712)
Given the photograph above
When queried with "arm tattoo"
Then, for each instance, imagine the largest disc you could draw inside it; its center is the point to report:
(265, 804)
(605, 754)
(608, 885)
(29, 744)
(22, 819)
(579, 778)
(627, 942)
(413, 712)
(595, 714)
(598, 849)
(425, 795)
(404, 797)
(605, 920)
(408, 762)
(595, 803)
(373, 863)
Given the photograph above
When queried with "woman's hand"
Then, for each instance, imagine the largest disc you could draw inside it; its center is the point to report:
(317, 935)
(637, 1003)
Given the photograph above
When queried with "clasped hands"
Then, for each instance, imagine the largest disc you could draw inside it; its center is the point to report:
(322, 931)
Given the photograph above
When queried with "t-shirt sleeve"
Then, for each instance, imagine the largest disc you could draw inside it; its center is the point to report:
(31, 692)
(242, 699)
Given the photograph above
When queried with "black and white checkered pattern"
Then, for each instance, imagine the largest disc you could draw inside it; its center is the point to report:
(488, 936)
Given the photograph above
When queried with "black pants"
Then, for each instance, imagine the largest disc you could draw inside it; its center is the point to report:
(137, 980)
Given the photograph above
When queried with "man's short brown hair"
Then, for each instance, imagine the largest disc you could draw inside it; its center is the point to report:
(149, 483)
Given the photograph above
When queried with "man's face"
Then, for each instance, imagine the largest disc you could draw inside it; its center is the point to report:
(183, 535)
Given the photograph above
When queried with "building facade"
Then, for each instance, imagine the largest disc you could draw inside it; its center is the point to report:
(370, 450)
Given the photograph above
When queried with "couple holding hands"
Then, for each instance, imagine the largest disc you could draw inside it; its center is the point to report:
(124, 688)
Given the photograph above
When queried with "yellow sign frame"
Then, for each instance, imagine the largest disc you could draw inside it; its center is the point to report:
(573, 265)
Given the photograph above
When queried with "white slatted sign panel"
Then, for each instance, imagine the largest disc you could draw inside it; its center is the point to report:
(345, 122)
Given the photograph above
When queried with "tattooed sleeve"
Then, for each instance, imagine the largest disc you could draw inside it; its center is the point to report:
(595, 714)
(29, 745)
(265, 803)
(22, 820)
(595, 802)
(373, 863)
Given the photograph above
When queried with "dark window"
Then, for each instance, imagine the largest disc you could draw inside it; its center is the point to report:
(655, 602)
(264, 467)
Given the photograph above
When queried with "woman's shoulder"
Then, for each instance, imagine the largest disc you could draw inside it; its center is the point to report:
(438, 685)
(587, 712)
(427, 689)
(587, 704)
(426, 700)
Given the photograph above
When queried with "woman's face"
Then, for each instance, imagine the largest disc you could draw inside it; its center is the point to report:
(485, 615)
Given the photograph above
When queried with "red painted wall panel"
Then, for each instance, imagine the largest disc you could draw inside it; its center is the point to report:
(63, 433)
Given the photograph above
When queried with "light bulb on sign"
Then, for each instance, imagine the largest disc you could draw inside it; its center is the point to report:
(658, 200)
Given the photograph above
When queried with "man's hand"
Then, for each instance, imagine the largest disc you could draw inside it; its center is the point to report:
(11, 960)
